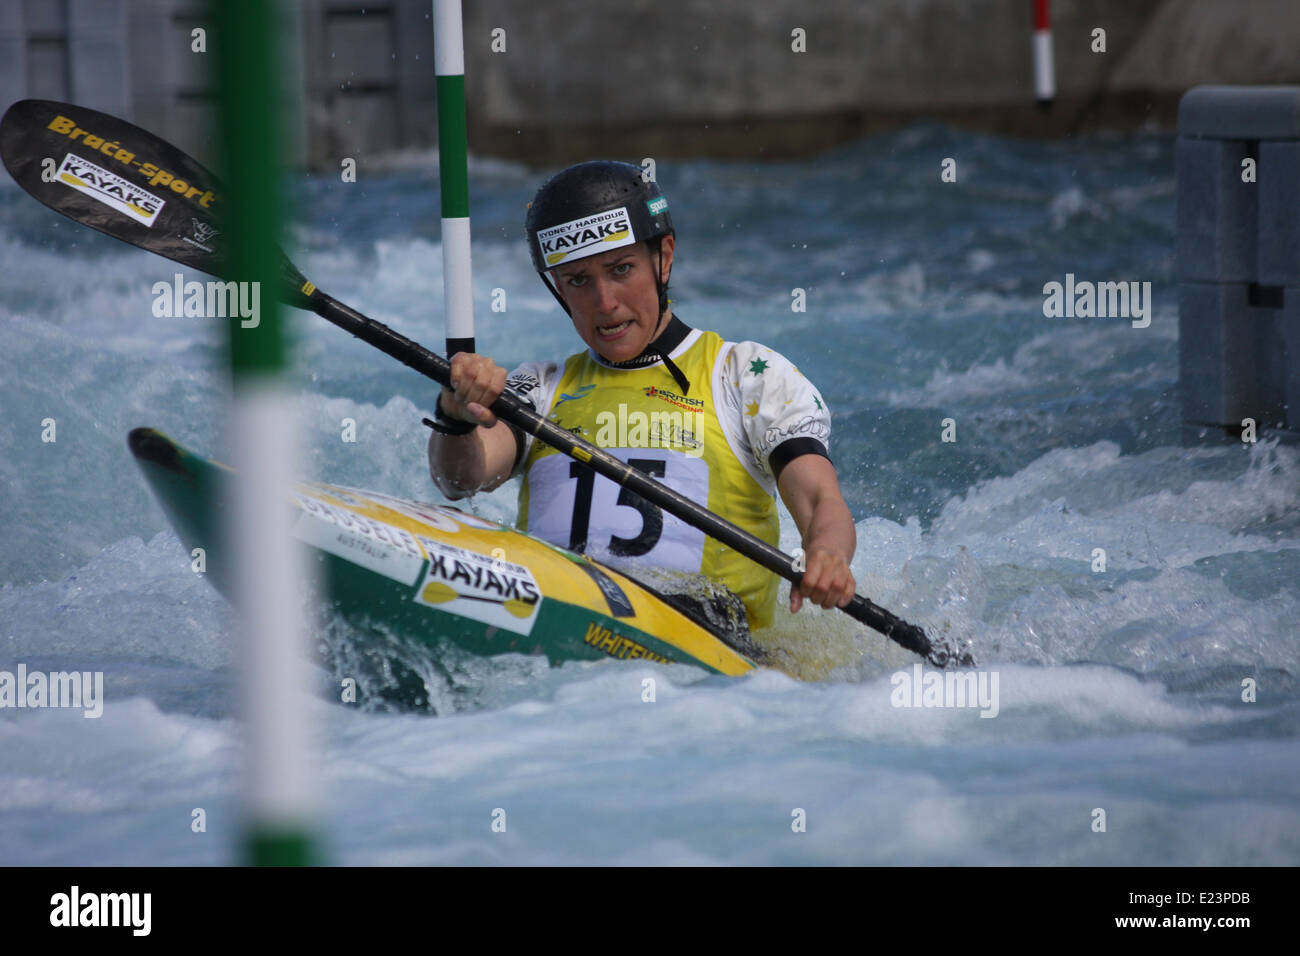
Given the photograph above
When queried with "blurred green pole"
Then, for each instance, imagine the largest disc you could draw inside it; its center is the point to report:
(269, 578)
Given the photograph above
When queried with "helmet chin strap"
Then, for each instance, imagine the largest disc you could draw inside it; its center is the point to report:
(661, 287)
(654, 347)
(546, 280)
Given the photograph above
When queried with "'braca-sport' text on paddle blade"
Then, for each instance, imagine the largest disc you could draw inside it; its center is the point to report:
(125, 182)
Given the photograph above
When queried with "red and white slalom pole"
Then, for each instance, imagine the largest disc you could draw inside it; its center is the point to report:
(1044, 68)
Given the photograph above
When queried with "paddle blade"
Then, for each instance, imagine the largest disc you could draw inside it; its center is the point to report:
(117, 178)
(124, 181)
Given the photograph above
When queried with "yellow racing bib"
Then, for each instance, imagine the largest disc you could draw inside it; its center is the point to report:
(639, 416)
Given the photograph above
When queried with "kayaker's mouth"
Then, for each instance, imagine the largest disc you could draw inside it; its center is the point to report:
(610, 331)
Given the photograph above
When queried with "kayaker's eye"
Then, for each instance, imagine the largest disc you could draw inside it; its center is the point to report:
(577, 281)
(622, 269)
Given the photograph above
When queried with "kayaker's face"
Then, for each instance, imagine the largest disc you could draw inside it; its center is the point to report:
(613, 300)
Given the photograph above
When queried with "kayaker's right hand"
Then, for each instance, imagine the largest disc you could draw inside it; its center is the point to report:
(477, 382)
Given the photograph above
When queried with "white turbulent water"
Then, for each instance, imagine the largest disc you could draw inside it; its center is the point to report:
(1119, 690)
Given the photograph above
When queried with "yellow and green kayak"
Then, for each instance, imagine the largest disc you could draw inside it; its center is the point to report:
(437, 574)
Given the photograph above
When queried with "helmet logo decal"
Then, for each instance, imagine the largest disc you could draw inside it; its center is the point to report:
(586, 236)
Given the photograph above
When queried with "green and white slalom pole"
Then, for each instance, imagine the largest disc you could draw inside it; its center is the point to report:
(457, 282)
(269, 573)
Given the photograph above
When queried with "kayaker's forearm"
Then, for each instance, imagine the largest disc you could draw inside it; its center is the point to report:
(478, 460)
(461, 465)
(831, 528)
(457, 463)
(810, 489)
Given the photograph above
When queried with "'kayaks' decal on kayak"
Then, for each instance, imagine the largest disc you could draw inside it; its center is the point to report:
(486, 589)
(392, 552)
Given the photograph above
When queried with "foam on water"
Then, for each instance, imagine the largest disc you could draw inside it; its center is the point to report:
(586, 772)
(1119, 688)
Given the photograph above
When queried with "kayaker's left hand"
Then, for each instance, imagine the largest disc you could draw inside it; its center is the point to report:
(827, 581)
(477, 382)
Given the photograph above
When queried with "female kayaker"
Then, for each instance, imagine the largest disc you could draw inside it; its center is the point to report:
(727, 424)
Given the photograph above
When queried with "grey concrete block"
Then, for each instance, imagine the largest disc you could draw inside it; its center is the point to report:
(1279, 214)
(1231, 356)
(194, 124)
(13, 55)
(184, 69)
(363, 125)
(1291, 345)
(296, 99)
(417, 111)
(1217, 212)
(360, 51)
(148, 26)
(1240, 112)
(47, 71)
(98, 55)
(43, 18)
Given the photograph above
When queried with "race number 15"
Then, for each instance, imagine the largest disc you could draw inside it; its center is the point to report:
(652, 518)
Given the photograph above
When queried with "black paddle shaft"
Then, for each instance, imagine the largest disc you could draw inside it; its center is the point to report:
(122, 180)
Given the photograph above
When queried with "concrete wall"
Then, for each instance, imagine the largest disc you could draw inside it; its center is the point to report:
(64, 49)
(368, 80)
(355, 82)
(661, 77)
(720, 78)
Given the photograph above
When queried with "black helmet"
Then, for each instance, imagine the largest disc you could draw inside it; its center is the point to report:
(591, 208)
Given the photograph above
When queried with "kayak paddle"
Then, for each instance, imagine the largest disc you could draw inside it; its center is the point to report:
(113, 176)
